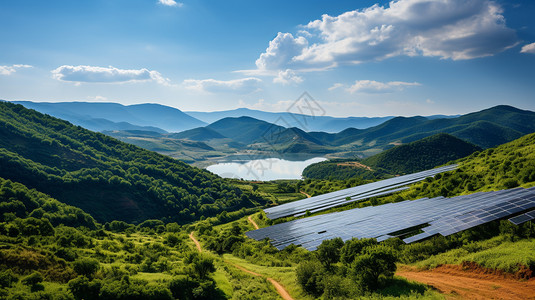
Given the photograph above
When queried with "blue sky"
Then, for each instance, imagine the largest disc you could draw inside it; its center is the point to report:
(356, 58)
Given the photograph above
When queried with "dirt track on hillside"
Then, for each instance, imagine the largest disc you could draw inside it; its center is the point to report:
(280, 289)
(197, 244)
(308, 196)
(250, 219)
(456, 283)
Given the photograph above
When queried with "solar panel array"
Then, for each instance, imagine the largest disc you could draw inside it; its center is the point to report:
(444, 216)
(343, 197)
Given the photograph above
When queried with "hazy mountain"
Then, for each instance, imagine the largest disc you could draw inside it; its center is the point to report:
(198, 134)
(486, 128)
(140, 116)
(288, 120)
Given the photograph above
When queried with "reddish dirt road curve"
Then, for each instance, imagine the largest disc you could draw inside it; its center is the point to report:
(456, 283)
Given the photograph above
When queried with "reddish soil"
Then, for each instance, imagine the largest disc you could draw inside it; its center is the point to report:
(470, 281)
(252, 222)
(355, 164)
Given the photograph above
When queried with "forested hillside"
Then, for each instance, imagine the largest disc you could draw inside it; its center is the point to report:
(413, 157)
(421, 155)
(107, 178)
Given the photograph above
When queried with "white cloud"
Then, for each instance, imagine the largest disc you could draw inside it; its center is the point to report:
(8, 70)
(447, 29)
(371, 86)
(281, 51)
(287, 77)
(529, 48)
(82, 74)
(429, 101)
(170, 3)
(335, 86)
(240, 86)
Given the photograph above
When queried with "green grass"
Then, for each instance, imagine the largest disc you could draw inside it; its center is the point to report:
(496, 253)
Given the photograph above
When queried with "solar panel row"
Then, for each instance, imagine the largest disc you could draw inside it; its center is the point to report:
(358, 193)
(412, 220)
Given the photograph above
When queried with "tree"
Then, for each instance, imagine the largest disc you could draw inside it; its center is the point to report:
(86, 266)
(375, 263)
(83, 288)
(329, 252)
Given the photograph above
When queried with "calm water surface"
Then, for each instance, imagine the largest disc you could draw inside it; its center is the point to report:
(263, 169)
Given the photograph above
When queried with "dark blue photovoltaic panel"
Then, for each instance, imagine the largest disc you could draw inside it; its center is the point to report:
(433, 216)
(358, 193)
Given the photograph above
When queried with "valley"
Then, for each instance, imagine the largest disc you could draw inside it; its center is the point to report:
(89, 232)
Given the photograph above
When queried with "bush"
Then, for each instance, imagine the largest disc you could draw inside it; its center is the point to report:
(86, 266)
(377, 263)
(309, 276)
(7, 278)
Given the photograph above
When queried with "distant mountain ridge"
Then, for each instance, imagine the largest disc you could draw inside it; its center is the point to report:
(114, 116)
(288, 120)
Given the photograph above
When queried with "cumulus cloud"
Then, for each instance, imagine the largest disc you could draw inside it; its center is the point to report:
(287, 77)
(8, 70)
(371, 86)
(240, 86)
(83, 74)
(170, 3)
(447, 29)
(529, 48)
(281, 51)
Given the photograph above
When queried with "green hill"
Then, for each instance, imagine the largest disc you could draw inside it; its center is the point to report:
(198, 134)
(486, 128)
(421, 155)
(107, 178)
(413, 157)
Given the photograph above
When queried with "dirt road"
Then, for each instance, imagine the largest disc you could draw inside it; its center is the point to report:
(456, 283)
(197, 244)
(250, 219)
(308, 196)
(280, 289)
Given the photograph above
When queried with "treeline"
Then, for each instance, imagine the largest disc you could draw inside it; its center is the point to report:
(107, 178)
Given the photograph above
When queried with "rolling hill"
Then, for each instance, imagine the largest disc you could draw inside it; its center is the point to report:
(413, 157)
(107, 178)
(114, 116)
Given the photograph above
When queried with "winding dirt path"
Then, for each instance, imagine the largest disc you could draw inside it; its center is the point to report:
(197, 244)
(250, 219)
(308, 196)
(280, 289)
(456, 283)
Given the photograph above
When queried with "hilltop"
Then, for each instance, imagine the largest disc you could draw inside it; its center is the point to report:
(107, 178)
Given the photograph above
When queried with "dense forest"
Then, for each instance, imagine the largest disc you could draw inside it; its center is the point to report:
(107, 178)
(408, 158)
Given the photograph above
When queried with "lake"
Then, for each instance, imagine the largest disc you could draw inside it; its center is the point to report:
(263, 169)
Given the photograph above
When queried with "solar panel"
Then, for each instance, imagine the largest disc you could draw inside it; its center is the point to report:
(358, 193)
(432, 216)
